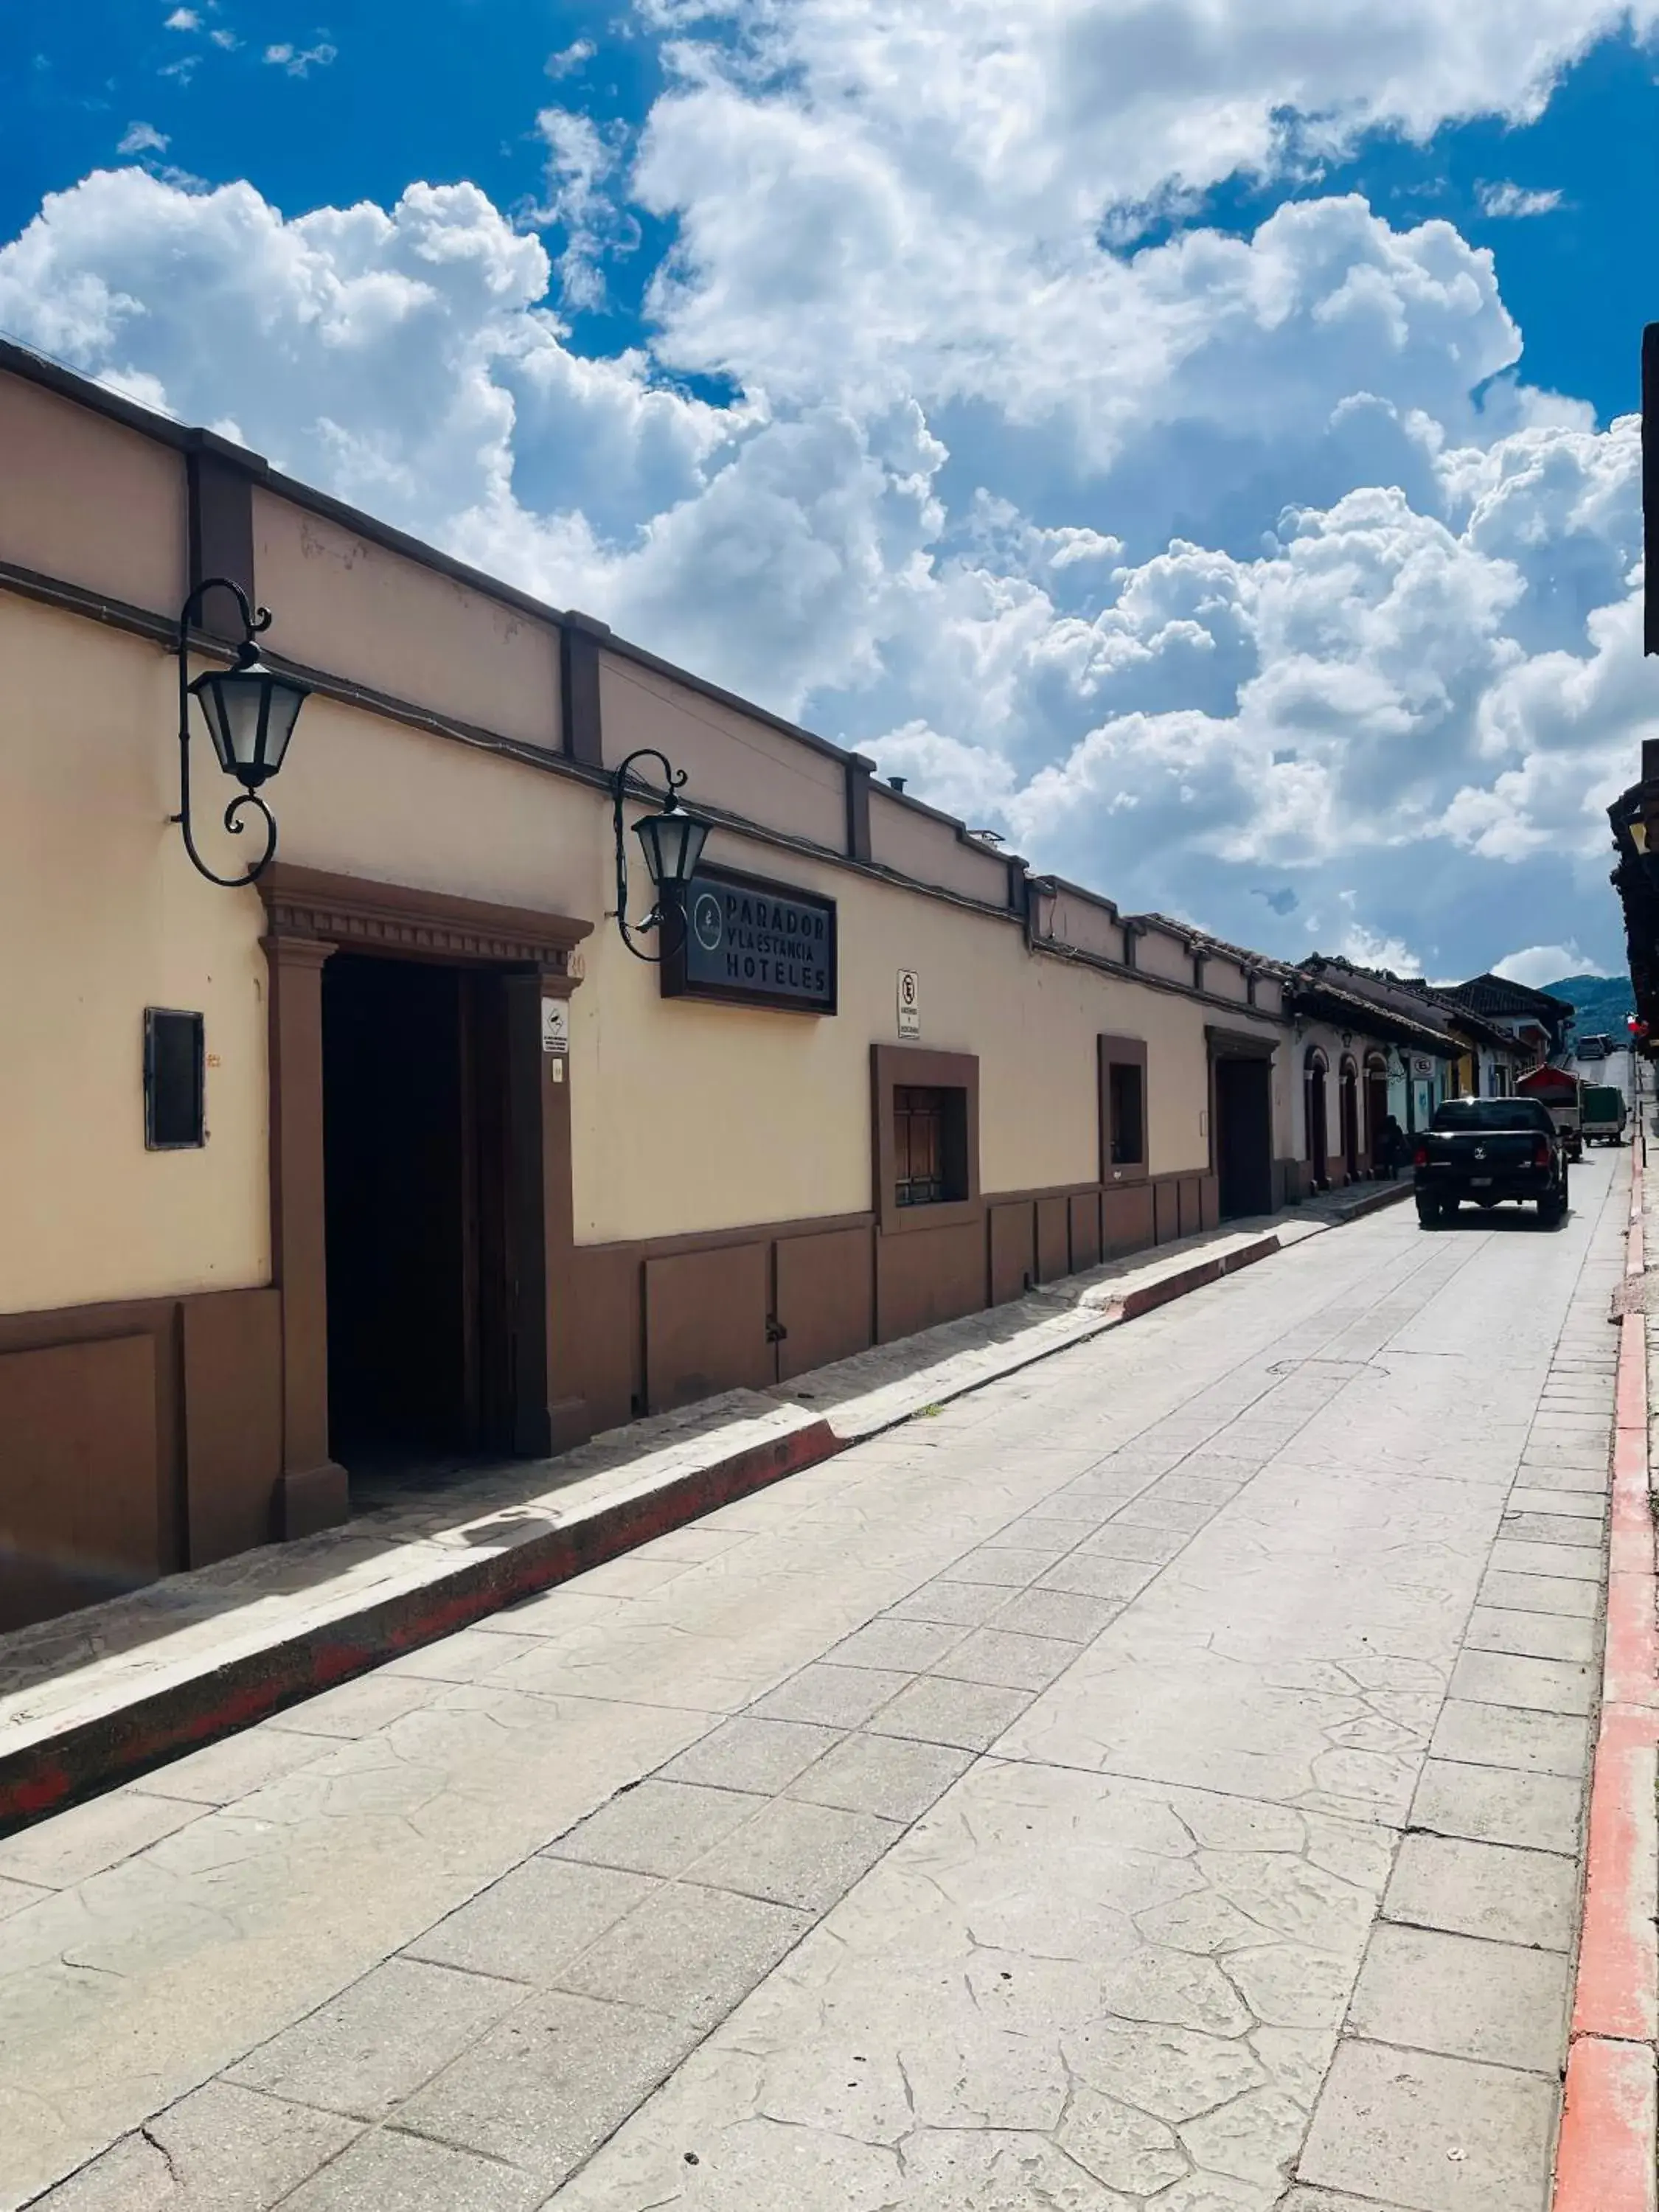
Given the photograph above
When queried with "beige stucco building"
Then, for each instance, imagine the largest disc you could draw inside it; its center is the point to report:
(470, 1181)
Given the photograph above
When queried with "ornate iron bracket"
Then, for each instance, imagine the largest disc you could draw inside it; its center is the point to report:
(675, 779)
(254, 619)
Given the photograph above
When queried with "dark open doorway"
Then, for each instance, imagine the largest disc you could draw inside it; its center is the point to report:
(1377, 1107)
(417, 1216)
(1244, 1137)
(1349, 1095)
(1312, 1105)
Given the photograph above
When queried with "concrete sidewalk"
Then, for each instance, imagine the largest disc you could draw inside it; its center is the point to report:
(108, 1691)
(1153, 1782)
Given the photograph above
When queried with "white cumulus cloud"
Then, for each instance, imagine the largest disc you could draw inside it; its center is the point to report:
(1244, 576)
(1537, 965)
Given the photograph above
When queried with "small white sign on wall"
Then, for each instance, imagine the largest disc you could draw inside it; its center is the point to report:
(909, 1003)
(555, 1027)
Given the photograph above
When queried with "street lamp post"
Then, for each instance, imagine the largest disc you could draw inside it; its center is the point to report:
(250, 711)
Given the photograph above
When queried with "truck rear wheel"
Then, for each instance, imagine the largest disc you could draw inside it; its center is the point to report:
(1430, 1212)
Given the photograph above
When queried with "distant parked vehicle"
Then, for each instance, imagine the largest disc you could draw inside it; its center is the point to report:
(1558, 1089)
(1602, 1114)
(1592, 1048)
(1488, 1150)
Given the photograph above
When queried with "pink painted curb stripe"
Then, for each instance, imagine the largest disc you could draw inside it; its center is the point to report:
(1631, 1402)
(1630, 1671)
(1604, 2158)
(1605, 2162)
(1617, 1957)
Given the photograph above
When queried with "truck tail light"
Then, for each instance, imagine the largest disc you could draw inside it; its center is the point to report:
(1540, 1154)
(1420, 1156)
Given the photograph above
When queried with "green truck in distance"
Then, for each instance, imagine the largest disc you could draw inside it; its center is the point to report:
(1601, 1115)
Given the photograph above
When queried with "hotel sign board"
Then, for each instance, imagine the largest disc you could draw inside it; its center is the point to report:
(752, 943)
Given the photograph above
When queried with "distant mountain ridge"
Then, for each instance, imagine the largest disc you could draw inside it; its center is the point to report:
(1600, 1002)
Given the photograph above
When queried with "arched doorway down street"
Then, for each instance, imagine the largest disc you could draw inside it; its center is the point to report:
(1314, 1068)
(1350, 1113)
(1377, 1105)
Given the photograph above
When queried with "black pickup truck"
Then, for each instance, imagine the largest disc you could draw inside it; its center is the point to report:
(1487, 1150)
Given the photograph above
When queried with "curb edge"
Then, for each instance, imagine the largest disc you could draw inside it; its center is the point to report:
(182, 1717)
(119, 1746)
(1606, 2150)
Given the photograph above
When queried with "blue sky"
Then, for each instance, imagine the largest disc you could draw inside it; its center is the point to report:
(449, 92)
(1580, 279)
(444, 92)
(1127, 435)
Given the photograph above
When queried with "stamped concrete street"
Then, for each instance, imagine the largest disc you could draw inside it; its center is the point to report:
(1156, 1780)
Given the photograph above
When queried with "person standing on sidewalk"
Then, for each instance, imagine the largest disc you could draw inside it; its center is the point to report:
(1390, 1149)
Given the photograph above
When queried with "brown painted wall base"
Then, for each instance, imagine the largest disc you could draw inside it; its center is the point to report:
(145, 1437)
(135, 1439)
(656, 1325)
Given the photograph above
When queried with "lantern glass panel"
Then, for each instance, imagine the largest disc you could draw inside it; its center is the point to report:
(673, 843)
(250, 712)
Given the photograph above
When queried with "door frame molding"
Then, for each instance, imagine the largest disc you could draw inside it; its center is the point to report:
(1256, 1048)
(311, 914)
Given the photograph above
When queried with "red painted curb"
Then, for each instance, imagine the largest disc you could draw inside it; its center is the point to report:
(1605, 2157)
(1605, 2162)
(43, 1779)
(1630, 1398)
(1617, 1957)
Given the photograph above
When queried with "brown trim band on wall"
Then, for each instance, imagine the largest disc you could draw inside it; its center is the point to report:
(859, 773)
(219, 497)
(162, 630)
(71, 599)
(217, 539)
(579, 694)
(895, 1065)
(837, 1285)
(34, 369)
(748, 1232)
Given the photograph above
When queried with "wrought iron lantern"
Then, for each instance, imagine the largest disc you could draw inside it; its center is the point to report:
(671, 840)
(250, 711)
